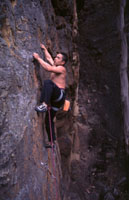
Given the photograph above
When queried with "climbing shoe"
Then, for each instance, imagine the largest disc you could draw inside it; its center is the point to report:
(41, 108)
(49, 145)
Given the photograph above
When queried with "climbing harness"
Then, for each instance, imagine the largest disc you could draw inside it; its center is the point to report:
(66, 106)
(58, 99)
(61, 95)
(55, 108)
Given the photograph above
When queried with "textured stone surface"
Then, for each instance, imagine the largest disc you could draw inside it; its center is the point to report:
(90, 159)
(98, 167)
(26, 168)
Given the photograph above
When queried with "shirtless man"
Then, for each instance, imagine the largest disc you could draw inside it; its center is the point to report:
(53, 93)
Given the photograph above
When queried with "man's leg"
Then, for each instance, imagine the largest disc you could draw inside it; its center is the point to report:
(50, 125)
(46, 96)
(47, 92)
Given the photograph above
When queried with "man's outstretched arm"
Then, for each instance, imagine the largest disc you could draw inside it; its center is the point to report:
(48, 67)
(47, 54)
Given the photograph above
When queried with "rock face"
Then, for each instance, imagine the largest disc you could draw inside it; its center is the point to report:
(89, 159)
(124, 72)
(98, 169)
(26, 168)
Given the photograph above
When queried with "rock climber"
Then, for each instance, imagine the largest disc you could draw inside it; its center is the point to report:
(53, 93)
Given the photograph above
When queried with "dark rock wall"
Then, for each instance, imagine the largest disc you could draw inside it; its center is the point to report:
(99, 171)
(26, 168)
(124, 69)
(100, 168)
(90, 158)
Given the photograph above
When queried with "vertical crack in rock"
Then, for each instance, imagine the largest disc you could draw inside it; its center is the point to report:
(124, 74)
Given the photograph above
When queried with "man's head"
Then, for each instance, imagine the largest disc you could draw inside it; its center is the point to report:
(60, 59)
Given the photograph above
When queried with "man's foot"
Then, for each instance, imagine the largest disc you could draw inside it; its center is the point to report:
(49, 145)
(41, 108)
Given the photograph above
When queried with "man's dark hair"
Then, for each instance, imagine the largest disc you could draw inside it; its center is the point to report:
(65, 57)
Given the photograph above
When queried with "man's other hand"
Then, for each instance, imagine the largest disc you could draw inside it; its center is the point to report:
(36, 55)
(42, 46)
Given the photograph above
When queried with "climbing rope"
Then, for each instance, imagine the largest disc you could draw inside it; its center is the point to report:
(50, 126)
(53, 163)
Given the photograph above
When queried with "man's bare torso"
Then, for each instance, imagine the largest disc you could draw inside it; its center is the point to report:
(59, 79)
